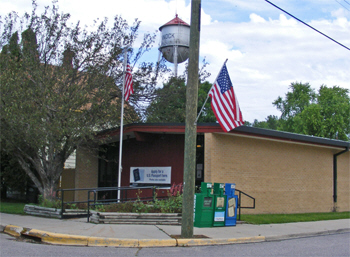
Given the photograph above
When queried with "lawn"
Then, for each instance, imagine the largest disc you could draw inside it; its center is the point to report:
(11, 207)
(287, 218)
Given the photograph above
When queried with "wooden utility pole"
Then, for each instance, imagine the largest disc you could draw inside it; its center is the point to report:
(191, 127)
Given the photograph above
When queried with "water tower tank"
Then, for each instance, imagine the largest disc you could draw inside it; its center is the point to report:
(175, 40)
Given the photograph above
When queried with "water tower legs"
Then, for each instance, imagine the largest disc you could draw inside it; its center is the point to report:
(175, 60)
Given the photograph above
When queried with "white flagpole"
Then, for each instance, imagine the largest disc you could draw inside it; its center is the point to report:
(121, 125)
(208, 93)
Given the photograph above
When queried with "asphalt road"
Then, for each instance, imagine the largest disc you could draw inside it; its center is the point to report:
(328, 245)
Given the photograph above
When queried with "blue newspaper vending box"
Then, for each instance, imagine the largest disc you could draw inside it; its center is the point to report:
(231, 205)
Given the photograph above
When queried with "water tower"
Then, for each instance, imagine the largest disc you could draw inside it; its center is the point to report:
(175, 41)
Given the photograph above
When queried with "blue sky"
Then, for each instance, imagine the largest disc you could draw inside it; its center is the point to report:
(266, 49)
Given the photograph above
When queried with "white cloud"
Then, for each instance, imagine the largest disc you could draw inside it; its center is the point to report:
(341, 12)
(256, 18)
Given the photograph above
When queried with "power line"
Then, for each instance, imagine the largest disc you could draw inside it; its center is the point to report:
(308, 25)
(342, 5)
(347, 2)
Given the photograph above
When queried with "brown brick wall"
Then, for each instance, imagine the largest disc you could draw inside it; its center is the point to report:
(86, 172)
(343, 201)
(68, 182)
(283, 177)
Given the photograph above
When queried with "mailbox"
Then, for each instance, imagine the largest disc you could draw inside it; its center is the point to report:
(219, 205)
(204, 206)
(231, 205)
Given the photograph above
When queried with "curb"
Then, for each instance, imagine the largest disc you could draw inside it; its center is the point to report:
(13, 230)
(202, 242)
(302, 235)
(65, 239)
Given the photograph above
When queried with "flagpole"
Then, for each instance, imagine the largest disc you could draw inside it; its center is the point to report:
(208, 93)
(121, 125)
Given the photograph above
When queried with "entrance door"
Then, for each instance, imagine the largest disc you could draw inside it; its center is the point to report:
(108, 171)
(200, 160)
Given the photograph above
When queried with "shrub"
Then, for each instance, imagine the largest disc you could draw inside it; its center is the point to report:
(139, 206)
(99, 207)
(49, 203)
(173, 204)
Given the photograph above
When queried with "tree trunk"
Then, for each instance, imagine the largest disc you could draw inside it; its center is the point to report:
(49, 191)
(46, 177)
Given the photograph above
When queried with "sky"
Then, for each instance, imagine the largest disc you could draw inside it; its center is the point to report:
(267, 50)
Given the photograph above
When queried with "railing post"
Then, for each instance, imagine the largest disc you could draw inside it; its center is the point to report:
(154, 193)
(88, 207)
(62, 192)
(88, 203)
(94, 197)
(239, 205)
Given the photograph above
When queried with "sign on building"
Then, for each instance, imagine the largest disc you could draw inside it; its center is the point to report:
(150, 175)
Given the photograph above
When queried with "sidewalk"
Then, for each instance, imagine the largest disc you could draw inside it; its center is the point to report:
(79, 232)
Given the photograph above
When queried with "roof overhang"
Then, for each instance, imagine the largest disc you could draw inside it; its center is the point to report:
(132, 131)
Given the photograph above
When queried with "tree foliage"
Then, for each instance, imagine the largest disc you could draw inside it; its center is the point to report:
(60, 84)
(271, 122)
(169, 104)
(325, 113)
(300, 97)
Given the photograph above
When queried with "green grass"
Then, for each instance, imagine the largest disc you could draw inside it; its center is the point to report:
(12, 207)
(287, 218)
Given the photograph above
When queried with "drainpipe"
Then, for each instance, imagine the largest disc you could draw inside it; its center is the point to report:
(335, 174)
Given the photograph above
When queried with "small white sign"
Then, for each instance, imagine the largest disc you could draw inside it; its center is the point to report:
(150, 175)
(219, 216)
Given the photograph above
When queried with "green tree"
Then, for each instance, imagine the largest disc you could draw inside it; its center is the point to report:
(301, 96)
(207, 114)
(169, 104)
(271, 122)
(323, 114)
(61, 84)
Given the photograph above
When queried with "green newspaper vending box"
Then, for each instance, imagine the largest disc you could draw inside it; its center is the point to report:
(219, 205)
(204, 206)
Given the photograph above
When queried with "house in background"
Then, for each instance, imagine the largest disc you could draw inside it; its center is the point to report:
(68, 177)
(284, 172)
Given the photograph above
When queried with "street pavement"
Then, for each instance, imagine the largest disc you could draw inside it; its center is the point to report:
(79, 232)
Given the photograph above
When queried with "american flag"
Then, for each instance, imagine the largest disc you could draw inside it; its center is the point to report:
(224, 102)
(128, 89)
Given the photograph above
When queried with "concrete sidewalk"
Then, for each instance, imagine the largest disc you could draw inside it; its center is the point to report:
(79, 232)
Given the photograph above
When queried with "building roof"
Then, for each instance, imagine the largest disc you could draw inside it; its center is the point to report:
(175, 21)
(131, 130)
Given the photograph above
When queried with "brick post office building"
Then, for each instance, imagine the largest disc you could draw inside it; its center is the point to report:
(284, 172)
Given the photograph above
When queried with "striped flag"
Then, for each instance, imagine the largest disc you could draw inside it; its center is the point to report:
(128, 89)
(224, 102)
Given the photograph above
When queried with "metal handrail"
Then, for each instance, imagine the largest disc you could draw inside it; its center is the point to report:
(125, 189)
(105, 201)
(92, 202)
(239, 202)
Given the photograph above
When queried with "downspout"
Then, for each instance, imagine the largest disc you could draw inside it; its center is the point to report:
(335, 175)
